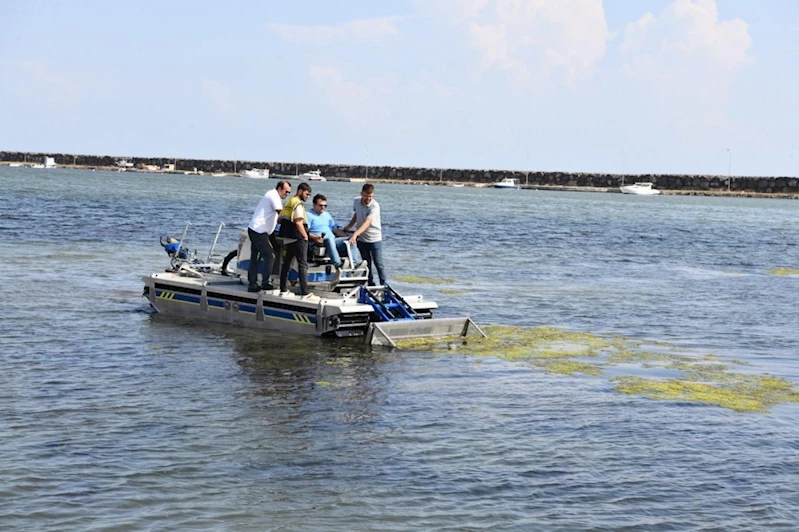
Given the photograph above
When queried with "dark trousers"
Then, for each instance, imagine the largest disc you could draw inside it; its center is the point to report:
(299, 250)
(372, 252)
(261, 250)
(276, 246)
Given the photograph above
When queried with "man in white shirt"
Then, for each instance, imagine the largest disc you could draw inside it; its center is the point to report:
(264, 246)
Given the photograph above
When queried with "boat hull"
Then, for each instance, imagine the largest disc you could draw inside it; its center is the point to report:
(640, 192)
(227, 301)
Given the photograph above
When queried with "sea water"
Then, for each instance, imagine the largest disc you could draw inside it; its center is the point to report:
(114, 418)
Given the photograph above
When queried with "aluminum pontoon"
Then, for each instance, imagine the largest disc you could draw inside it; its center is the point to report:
(343, 306)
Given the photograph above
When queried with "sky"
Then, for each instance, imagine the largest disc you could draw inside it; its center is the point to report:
(645, 86)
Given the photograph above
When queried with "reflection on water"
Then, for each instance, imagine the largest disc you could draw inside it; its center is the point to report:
(111, 417)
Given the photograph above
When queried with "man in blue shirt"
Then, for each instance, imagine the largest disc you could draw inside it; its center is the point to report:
(322, 229)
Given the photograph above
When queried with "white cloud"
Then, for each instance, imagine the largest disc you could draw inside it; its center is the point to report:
(534, 40)
(687, 58)
(220, 95)
(364, 30)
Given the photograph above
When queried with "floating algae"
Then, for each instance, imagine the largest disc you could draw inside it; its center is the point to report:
(706, 379)
(514, 343)
(452, 291)
(783, 271)
(422, 280)
(324, 384)
(751, 393)
(570, 367)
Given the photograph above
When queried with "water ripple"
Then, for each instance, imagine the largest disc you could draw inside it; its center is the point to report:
(114, 418)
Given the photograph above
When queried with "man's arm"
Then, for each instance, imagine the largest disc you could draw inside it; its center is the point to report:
(301, 228)
(364, 226)
(352, 222)
(335, 229)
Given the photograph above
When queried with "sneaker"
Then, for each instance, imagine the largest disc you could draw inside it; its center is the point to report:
(363, 265)
(268, 286)
(309, 297)
(336, 276)
(253, 289)
(286, 293)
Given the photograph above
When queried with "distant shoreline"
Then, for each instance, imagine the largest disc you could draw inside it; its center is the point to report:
(545, 188)
(669, 184)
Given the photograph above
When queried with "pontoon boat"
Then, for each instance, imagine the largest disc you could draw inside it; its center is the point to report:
(343, 304)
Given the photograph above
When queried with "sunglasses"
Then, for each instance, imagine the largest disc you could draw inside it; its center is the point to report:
(322, 204)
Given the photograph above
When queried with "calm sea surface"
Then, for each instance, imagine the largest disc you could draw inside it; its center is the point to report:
(112, 418)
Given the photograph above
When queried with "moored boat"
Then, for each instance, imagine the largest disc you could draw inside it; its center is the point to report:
(313, 175)
(255, 173)
(507, 183)
(640, 189)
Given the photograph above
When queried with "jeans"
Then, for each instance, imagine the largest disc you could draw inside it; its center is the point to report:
(337, 246)
(299, 250)
(261, 250)
(373, 253)
(332, 252)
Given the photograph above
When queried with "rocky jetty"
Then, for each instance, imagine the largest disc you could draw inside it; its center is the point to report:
(679, 183)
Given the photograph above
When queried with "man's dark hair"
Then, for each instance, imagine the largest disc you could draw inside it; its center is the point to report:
(281, 184)
(368, 188)
(303, 186)
(318, 198)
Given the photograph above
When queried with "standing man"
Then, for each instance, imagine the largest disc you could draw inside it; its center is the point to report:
(368, 233)
(295, 238)
(264, 246)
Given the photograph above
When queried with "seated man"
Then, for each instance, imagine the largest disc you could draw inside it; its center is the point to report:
(322, 229)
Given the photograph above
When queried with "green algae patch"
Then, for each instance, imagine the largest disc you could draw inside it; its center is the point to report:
(452, 291)
(571, 367)
(748, 393)
(516, 343)
(626, 355)
(783, 271)
(411, 279)
(324, 384)
(706, 379)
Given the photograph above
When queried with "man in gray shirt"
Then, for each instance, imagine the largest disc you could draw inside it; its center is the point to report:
(368, 233)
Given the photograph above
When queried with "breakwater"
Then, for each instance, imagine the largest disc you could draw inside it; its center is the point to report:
(685, 183)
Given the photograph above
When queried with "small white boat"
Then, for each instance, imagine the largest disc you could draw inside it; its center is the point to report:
(313, 175)
(455, 185)
(255, 173)
(640, 189)
(509, 183)
(218, 174)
